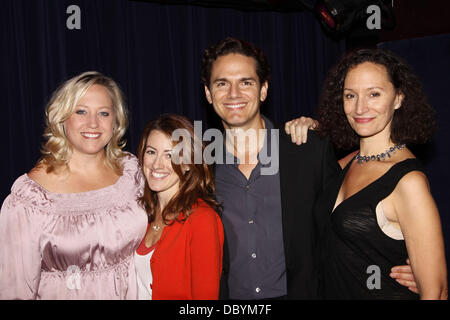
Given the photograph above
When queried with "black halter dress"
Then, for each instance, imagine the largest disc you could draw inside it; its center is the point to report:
(355, 255)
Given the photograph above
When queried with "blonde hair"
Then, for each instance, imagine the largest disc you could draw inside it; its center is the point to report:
(56, 151)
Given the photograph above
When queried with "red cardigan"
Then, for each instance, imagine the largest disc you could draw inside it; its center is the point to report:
(187, 262)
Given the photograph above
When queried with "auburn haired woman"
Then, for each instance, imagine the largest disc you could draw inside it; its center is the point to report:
(180, 256)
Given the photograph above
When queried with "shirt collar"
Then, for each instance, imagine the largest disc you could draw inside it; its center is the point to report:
(266, 149)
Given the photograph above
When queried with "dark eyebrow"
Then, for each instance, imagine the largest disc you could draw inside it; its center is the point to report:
(241, 79)
(366, 89)
(220, 79)
(149, 146)
(247, 79)
(375, 88)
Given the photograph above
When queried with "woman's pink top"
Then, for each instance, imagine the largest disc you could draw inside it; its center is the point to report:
(75, 245)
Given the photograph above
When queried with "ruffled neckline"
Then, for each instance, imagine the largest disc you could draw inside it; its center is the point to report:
(31, 191)
(56, 195)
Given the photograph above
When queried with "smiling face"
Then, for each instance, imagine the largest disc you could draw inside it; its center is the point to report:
(90, 127)
(235, 91)
(370, 100)
(157, 166)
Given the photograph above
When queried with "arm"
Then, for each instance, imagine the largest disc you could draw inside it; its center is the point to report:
(20, 258)
(420, 223)
(298, 129)
(206, 254)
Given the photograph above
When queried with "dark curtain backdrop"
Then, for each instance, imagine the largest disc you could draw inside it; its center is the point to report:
(153, 51)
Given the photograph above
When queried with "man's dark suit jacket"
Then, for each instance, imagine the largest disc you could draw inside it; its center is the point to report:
(304, 173)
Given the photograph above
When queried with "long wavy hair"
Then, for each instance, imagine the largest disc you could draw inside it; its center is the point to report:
(196, 180)
(413, 123)
(57, 151)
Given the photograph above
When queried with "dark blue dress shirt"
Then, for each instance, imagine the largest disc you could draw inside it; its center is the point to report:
(253, 226)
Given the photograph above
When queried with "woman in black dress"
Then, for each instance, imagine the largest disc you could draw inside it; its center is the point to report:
(382, 211)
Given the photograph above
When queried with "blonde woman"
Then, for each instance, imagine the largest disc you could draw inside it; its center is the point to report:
(70, 226)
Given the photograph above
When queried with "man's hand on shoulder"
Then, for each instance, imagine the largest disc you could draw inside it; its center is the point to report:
(298, 129)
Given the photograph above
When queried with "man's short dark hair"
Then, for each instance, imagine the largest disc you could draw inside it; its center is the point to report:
(232, 45)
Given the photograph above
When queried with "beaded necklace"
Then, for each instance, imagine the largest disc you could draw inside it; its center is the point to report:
(380, 156)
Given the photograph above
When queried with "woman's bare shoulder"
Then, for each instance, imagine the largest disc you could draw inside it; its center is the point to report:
(413, 182)
(40, 175)
(345, 160)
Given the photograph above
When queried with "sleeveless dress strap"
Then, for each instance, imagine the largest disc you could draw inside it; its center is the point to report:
(388, 182)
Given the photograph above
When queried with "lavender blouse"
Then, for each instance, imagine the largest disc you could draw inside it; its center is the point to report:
(72, 246)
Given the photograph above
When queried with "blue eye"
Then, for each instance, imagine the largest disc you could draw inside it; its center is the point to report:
(149, 151)
(104, 113)
(80, 111)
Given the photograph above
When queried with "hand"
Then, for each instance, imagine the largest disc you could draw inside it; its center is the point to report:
(298, 129)
(404, 276)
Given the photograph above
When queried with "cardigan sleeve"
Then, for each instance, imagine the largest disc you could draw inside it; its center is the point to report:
(206, 253)
(20, 258)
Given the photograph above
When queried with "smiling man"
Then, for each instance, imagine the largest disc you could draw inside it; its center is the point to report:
(270, 229)
(236, 91)
(268, 220)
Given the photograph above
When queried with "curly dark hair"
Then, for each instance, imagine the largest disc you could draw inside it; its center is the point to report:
(413, 123)
(233, 45)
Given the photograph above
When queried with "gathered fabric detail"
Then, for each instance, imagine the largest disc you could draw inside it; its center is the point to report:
(72, 246)
(27, 190)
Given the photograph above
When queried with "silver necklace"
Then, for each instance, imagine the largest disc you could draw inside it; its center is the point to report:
(381, 156)
(156, 228)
